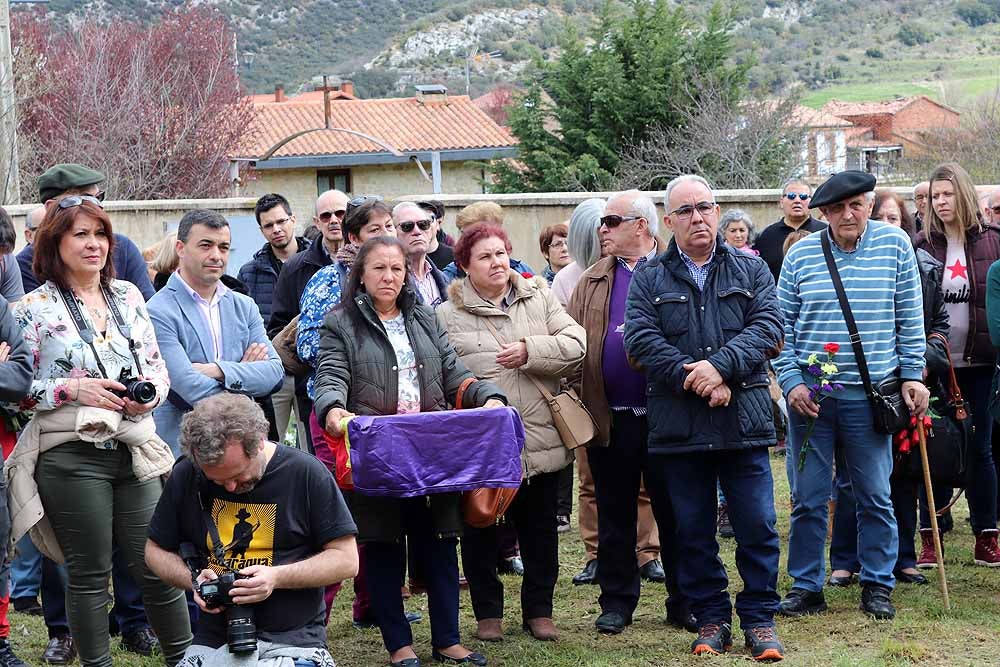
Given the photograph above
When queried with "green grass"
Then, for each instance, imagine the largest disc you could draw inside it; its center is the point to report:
(923, 633)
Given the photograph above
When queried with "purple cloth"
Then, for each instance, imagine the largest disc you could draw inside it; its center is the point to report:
(436, 452)
(623, 387)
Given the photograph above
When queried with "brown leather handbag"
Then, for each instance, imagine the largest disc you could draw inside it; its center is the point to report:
(482, 508)
(284, 345)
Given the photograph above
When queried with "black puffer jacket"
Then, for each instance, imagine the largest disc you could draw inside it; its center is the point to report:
(733, 322)
(356, 371)
(935, 313)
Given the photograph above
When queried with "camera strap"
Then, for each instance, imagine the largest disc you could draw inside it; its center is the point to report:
(205, 503)
(87, 334)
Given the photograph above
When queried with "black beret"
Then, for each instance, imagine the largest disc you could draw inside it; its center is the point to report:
(62, 177)
(433, 206)
(842, 186)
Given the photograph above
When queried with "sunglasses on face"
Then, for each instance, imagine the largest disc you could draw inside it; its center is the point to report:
(77, 200)
(407, 227)
(612, 221)
(801, 195)
(327, 216)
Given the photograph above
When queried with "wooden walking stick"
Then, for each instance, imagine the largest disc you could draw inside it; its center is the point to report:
(938, 553)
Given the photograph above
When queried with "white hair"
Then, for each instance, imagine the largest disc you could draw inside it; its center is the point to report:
(683, 178)
(642, 206)
(402, 206)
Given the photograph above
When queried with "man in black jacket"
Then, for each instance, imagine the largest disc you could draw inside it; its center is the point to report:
(702, 320)
(794, 203)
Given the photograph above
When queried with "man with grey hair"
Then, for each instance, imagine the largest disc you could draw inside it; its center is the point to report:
(794, 204)
(212, 339)
(415, 228)
(615, 394)
(274, 515)
(701, 320)
(921, 192)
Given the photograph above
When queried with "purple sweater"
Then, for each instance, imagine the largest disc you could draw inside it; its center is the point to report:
(624, 387)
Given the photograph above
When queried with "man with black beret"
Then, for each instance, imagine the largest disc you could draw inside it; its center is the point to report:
(830, 406)
(62, 180)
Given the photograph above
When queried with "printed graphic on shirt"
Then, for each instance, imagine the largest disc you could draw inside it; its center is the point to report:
(247, 531)
(956, 283)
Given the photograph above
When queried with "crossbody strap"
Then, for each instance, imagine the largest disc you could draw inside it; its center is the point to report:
(545, 392)
(852, 326)
(954, 391)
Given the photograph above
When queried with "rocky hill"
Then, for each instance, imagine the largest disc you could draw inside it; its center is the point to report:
(854, 49)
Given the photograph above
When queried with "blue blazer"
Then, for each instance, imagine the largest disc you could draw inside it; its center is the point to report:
(185, 338)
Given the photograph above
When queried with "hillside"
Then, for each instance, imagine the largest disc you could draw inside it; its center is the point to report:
(849, 49)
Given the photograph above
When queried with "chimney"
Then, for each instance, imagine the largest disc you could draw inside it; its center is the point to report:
(430, 93)
(347, 88)
(279, 94)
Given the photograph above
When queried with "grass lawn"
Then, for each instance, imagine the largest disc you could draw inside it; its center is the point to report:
(923, 633)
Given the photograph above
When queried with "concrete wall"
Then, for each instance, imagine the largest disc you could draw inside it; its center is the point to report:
(391, 181)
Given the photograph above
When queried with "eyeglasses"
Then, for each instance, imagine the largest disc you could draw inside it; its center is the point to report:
(100, 195)
(360, 201)
(612, 221)
(685, 213)
(407, 227)
(326, 216)
(77, 200)
(801, 195)
(557, 244)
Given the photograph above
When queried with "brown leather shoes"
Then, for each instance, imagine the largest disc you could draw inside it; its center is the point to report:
(489, 630)
(59, 651)
(542, 629)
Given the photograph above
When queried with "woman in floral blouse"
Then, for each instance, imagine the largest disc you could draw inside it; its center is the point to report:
(89, 490)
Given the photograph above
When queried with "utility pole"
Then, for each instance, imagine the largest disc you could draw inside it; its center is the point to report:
(8, 112)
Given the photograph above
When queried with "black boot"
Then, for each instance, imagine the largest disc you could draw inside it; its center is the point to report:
(875, 602)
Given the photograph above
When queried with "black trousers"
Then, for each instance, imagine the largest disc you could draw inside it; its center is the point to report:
(533, 515)
(617, 471)
(564, 507)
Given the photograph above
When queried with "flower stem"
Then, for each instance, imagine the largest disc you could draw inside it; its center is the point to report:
(805, 444)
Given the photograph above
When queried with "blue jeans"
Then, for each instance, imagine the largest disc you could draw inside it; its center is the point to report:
(26, 570)
(844, 427)
(691, 482)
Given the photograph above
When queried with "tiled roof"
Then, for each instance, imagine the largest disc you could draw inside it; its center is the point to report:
(407, 124)
(840, 108)
(806, 117)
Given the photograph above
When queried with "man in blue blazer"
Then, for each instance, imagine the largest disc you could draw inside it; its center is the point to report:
(211, 338)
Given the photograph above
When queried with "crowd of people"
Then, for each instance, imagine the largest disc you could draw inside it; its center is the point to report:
(147, 398)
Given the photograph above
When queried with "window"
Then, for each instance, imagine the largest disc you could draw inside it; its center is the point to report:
(333, 179)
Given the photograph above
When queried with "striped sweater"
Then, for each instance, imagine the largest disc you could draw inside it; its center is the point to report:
(883, 287)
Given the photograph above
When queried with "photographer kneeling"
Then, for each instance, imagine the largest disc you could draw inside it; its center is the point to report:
(263, 527)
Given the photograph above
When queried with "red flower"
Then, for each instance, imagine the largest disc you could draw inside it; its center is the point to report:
(832, 348)
(526, 274)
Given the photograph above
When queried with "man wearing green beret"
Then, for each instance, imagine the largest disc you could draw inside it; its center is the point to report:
(63, 180)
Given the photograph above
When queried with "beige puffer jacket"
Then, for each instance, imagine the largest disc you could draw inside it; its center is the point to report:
(556, 345)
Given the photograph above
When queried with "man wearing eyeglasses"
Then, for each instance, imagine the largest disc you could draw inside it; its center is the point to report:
(994, 207)
(62, 180)
(615, 394)
(702, 321)
(794, 203)
(415, 227)
(920, 194)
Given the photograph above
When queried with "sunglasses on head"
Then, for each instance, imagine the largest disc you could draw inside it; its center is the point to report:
(77, 200)
(407, 227)
(801, 195)
(612, 221)
(327, 216)
(360, 200)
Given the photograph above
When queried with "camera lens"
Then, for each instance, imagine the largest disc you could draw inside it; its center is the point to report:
(241, 632)
(142, 391)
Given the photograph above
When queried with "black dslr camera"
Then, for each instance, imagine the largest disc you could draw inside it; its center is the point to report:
(140, 391)
(241, 632)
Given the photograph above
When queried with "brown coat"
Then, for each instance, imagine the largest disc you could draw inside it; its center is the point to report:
(589, 306)
(555, 347)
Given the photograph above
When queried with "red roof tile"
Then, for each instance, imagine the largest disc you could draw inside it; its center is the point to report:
(840, 108)
(405, 123)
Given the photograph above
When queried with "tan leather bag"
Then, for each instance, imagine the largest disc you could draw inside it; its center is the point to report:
(569, 415)
(482, 508)
(284, 345)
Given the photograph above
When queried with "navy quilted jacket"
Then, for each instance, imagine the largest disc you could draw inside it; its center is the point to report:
(260, 277)
(734, 323)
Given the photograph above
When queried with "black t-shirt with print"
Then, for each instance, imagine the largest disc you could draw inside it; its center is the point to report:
(287, 517)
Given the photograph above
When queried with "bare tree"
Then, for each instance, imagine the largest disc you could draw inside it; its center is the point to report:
(156, 107)
(753, 143)
(975, 144)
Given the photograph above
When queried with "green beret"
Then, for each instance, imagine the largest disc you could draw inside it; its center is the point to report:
(62, 177)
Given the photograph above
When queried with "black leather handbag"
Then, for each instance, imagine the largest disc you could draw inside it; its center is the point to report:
(889, 411)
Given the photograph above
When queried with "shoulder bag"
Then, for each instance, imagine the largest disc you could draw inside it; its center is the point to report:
(889, 411)
(483, 507)
(570, 416)
(284, 345)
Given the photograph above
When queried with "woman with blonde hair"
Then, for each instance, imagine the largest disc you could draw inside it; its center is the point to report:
(165, 261)
(956, 235)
